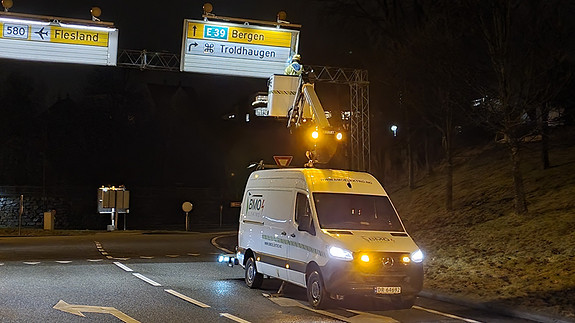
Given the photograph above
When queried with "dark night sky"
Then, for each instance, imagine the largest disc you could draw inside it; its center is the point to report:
(157, 26)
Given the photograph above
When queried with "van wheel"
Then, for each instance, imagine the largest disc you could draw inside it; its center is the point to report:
(316, 294)
(253, 278)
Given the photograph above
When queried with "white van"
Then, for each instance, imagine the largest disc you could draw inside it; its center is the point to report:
(332, 232)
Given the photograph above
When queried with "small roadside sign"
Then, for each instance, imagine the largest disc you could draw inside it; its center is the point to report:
(283, 161)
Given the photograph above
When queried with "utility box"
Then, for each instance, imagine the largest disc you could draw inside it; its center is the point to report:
(49, 218)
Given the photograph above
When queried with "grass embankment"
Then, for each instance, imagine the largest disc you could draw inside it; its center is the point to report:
(483, 251)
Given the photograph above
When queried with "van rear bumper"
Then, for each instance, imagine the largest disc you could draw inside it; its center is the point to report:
(347, 278)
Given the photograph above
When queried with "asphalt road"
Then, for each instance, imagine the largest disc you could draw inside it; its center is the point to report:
(167, 277)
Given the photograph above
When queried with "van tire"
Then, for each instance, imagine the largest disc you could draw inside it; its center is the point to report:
(252, 277)
(317, 296)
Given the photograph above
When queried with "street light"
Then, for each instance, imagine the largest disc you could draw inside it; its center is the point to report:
(394, 130)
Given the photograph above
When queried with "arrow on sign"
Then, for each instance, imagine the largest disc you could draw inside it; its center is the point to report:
(194, 28)
(78, 309)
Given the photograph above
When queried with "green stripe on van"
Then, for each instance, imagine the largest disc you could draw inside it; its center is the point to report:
(294, 244)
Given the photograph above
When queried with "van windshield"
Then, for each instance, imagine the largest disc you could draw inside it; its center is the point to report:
(356, 212)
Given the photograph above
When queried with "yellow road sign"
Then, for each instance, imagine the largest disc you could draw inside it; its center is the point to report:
(78, 36)
(236, 34)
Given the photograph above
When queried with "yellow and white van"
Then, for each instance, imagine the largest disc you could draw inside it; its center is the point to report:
(332, 232)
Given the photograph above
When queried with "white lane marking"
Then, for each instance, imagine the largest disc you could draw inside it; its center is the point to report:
(173, 256)
(63, 261)
(233, 318)
(31, 262)
(1, 264)
(146, 279)
(147, 257)
(123, 259)
(446, 314)
(109, 257)
(369, 317)
(104, 253)
(121, 265)
(193, 254)
(186, 298)
(215, 244)
(94, 260)
(80, 309)
(287, 302)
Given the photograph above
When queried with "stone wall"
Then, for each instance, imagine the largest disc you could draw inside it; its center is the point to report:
(150, 208)
(34, 206)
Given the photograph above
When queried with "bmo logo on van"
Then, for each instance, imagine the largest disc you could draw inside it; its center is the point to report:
(256, 204)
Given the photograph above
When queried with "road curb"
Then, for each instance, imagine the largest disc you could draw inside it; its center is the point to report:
(516, 312)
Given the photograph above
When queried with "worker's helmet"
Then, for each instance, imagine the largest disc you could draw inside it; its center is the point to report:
(296, 57)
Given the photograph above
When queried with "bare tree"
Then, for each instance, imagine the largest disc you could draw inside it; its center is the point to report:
(525, 69)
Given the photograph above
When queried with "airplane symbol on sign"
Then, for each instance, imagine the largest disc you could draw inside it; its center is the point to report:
(41, 32)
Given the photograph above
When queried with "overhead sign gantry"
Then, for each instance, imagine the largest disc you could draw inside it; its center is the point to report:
(237, 49)
(60, 40)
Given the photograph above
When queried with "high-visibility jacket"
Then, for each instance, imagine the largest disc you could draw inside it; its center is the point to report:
(294, 68)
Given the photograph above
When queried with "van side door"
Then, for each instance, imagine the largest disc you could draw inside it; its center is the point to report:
(303, 246)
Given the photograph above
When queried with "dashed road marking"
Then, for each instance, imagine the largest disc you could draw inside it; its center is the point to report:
(94, 260)
(121, 265)
(32, 262)
(186, 298)
(146, 279)
(193, 254)
(234, 318)
(63, 261)
(146, 257)
(173, 256)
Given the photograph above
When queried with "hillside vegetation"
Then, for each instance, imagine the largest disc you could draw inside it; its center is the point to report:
(482, 251)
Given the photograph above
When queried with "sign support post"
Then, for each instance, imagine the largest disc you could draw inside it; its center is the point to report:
(187, 207)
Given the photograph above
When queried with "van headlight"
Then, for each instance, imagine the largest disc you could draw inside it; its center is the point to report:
(416, 256)
(340, 253)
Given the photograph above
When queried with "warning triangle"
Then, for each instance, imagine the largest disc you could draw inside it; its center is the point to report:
(283, 161)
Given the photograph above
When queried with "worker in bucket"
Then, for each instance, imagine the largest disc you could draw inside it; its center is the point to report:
(294, 68)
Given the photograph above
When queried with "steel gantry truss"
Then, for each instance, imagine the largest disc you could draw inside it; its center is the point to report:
(356, 79)
(143, 59)
(359, 106)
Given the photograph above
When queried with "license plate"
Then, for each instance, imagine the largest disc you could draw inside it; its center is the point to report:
(388, 290)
